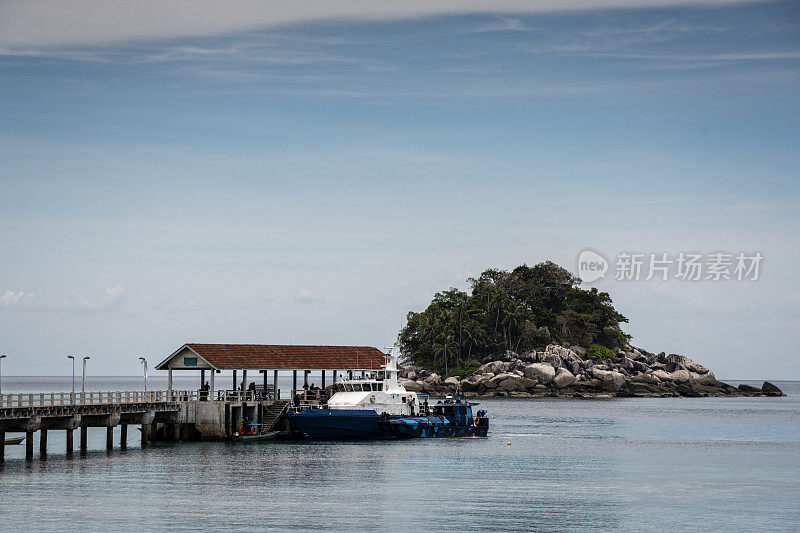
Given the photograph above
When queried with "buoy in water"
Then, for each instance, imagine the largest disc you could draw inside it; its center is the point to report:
(509, 443)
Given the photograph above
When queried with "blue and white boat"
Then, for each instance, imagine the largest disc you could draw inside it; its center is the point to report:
(450, 418)
(358, 406)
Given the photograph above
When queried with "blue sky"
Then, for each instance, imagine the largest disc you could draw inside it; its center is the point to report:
(311, 180)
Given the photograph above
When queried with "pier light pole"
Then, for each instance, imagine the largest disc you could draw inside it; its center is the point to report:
(1, 372)
(83, 379)
(144, 362)
(73, 372)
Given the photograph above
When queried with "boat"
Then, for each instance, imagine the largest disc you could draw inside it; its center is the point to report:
(268, 435)
(450, 418)
(14, 440)
(358, 406)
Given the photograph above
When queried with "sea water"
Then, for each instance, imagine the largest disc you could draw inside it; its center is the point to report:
(632, 464)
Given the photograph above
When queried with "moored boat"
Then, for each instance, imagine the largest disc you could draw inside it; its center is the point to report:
(14, 440)
(450, 418)
(358, 406)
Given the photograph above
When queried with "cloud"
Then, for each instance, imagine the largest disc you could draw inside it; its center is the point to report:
(110, 300)
(77, 22)
(503, 24)
(13, 298)
(306, 296)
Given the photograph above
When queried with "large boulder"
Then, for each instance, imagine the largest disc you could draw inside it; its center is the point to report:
(493, 382)
(490, 368)
(687, 363)
(516, 384)
(611, 379)
(411, 385)
(433, 379)
(563, 378)
(541, 372)
(680, 376)
(771, 390)
(662, 375)
(451, 382)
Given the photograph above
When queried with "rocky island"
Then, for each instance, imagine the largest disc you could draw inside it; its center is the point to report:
(534, 331)
(562, 371)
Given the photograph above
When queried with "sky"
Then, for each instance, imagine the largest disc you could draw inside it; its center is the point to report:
(309, 172)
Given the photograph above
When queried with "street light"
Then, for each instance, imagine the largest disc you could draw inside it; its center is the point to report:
(83, 380)
(144, 362)
(1, 372)
(73, 372)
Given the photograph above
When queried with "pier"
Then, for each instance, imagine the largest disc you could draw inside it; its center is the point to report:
(203, 414)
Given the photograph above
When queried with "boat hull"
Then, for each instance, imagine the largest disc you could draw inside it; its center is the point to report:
(432, 427)
(258, 437)
(338, 424)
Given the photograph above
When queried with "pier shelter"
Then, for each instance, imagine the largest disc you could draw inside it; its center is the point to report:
(268, 359)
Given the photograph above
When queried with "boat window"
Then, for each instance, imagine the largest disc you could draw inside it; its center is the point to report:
(380, 386)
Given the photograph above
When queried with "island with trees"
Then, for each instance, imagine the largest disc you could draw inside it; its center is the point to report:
(533, 331)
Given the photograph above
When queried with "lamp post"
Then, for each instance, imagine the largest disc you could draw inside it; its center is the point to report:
(73, 372)
(144, 362)
(1, 372)
(83, 380)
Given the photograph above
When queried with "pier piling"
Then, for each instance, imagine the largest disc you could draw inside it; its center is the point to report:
(123, 436)
(70, 442)
(42, 444)
(110, 438)
(29, 445)
(84, 431)
(2, 446)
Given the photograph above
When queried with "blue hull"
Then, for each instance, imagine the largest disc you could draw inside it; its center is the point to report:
(432, 427)
(335, 424)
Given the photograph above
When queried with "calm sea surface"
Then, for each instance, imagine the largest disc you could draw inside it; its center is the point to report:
(623, 464)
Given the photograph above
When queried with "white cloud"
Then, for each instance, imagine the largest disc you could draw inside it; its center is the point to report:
(306, 296)
(13, 298)
(25, 300)
(504, 24)
(42, 22)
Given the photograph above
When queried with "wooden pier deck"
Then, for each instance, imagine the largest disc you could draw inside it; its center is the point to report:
(163, 415)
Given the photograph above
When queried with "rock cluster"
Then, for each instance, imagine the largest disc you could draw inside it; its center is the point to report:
(562, 371)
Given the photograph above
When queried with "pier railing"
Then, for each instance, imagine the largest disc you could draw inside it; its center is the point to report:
(48, 399)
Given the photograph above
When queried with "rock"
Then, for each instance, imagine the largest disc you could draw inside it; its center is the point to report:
(541, 372)
(672, 367)
(496, 380)
(563, 378)
(747, 388)
(708, 377)
(412, 375)
(680, 376)
(451, 382)
(771, 390)
(611, 379)
(661, 375)
(490, 368)
(553, 360)
(687, 363)
(411, 385)
(433, 379)
(516, 384)
(686, 390)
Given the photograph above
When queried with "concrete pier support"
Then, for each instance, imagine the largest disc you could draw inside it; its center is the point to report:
(2, 446)
(123, 436)
(70, 442)
(294, 382)
(323, 380)
(29, 445)
(42, 444)
(109, 438)
(275, 383)
(145, 434)
(84, 438)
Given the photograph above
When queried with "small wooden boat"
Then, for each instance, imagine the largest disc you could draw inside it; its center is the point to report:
(269, 435)
(15, 440)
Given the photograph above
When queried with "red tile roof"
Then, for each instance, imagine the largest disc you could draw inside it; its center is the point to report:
(276, 356)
